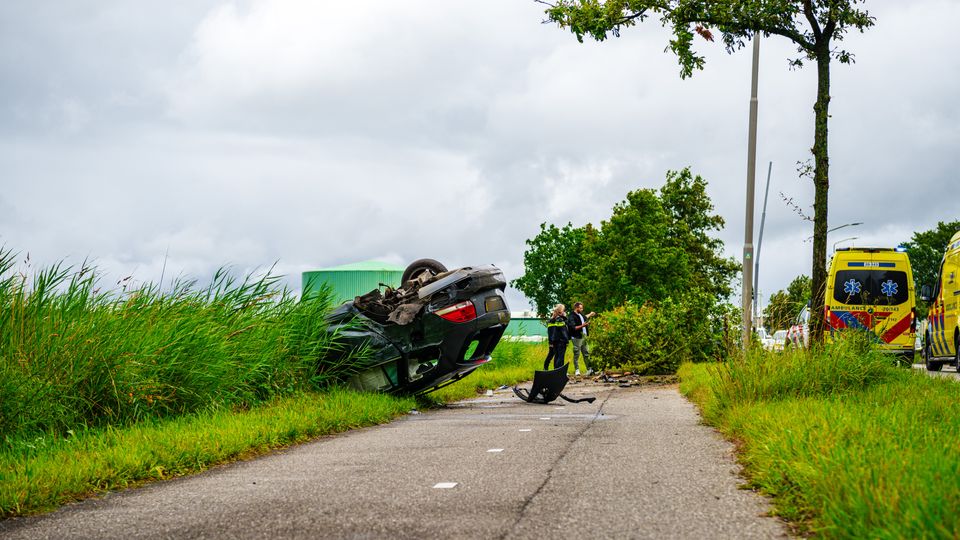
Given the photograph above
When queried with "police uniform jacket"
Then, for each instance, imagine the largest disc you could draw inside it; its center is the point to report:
(557, 329)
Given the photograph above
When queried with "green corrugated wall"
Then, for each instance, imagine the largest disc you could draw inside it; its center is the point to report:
(526, 326)
(351, 280)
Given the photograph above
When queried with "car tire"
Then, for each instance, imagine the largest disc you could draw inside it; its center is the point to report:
(932, 365)
(419, 266)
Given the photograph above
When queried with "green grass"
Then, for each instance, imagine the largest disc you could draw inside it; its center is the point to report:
(846, 444)
(103, 390)
(74, 357)
(44, 472)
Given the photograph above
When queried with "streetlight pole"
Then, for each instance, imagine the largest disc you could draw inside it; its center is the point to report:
(837, 227)
(756, 263)
(844, 240)
(844, 225)
(751, 181)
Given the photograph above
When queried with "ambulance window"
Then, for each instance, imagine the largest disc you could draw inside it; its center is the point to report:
(871, 287)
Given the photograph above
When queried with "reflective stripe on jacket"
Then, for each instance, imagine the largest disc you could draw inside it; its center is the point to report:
(557, 329)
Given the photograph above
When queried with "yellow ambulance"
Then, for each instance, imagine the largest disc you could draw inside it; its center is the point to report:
(940, 345)
(872, 289)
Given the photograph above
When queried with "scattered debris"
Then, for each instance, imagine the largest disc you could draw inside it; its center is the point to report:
(627, 379)
(414, 411)
(489, 393)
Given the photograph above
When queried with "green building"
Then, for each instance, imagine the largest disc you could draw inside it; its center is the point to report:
(525, 323)
(351, 280)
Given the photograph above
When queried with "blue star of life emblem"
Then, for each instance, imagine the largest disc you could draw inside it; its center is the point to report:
(852, 286)
(888, 287)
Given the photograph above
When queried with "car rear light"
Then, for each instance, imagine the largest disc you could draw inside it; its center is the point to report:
(494, 303)
(459, 313)
(913, 322)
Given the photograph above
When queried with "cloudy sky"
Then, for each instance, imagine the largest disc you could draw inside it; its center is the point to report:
(208, 132)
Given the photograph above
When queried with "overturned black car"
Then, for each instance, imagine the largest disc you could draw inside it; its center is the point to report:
(434, 330)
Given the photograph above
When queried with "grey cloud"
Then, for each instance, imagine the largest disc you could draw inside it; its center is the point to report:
(319, 134)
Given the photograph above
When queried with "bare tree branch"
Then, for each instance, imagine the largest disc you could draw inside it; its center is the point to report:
(633, 16)
(795, 207)
(831, 23)
(812, 19)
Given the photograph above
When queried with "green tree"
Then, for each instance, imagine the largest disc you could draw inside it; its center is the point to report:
(628, 259)
(779, 312)
(814, 26)
(656, 245)
(799, 292)
(785, 305)
(926, 249)
(549, 261)
(691, 221)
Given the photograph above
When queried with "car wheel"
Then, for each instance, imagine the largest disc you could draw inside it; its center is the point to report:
(419, 266)
(932, 365)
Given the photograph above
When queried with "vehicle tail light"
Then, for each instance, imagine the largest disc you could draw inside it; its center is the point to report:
(459, 313)
(913, 321)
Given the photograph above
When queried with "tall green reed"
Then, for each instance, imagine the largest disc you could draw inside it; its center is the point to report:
(849, 364)
(74, 354)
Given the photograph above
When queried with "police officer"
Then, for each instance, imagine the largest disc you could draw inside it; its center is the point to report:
(557, 336)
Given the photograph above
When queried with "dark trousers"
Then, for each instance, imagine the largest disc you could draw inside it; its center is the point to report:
(556, 352)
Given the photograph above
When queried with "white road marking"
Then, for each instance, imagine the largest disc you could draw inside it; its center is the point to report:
(495, 450)
(544, 417)
(445, 485)
(522, 430)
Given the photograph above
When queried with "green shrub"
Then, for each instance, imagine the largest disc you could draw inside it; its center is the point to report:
(653, 339)
(638, 338)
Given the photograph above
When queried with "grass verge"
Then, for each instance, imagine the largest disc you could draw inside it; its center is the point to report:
(847, 445)
(40, 473)
(103, 388)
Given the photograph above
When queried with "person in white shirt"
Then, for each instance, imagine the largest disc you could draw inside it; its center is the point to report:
(577, 325)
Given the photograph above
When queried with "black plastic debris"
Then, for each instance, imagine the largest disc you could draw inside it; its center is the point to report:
(547, 386)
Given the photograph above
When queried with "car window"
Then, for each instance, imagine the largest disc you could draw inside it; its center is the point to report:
(871, 287)
(936, 288)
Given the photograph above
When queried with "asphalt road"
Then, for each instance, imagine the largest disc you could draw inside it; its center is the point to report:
(947, 371)
(634, 464)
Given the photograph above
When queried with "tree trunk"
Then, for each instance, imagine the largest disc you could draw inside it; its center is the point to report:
(821, 182)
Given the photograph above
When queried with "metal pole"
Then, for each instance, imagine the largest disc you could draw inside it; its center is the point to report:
(751, 181)
(844, 240)
(756, 262)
